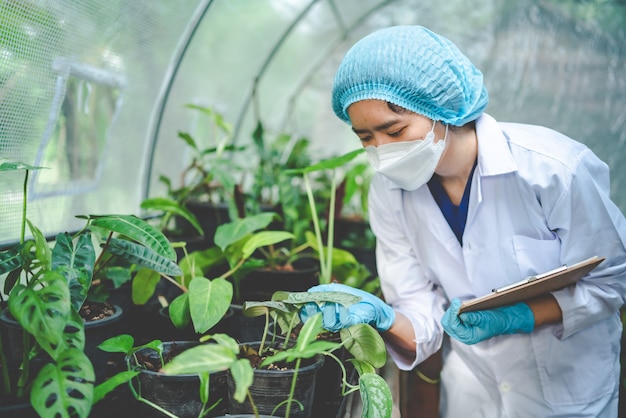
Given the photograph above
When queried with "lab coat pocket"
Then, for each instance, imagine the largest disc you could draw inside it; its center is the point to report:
(536, 256)
(581, 368)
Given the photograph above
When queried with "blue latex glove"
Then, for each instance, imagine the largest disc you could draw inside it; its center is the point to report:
(369, 310)
(477, 326)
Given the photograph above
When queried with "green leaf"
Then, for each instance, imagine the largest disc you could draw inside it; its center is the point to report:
(122, 343)
(137, 230)
(111, 383)
(143, 285)
(362, 367)
(117, 275)
(257, 137)
(11, 280)
(262, 239)
(365, 344)
(43, 312)
(64, 389)
(6, 165)
(204, 387)
(76, 264)
(42, 250)
(300, 298)
(9, 260)
(209, 301)
(172, 206)
(208, 358)
(317, 347)
(376, 396)
(251, 309)
(74, 331)
(243, 375)
(179, 311)
(143, 256)
(309, 331)
(232, 232)
(188, 140)
(201, 260)
(327, 164)
(227, 341)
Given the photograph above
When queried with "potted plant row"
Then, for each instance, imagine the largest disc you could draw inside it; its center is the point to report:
(269, 377)
(53, 366)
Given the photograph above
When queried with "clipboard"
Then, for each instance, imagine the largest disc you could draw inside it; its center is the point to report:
(532, 286)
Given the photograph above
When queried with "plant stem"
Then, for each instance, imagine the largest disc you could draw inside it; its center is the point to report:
(293, 387)
(255, 411)
(5, 369)
(267, 324)
(324, 277)
(23, 379)
(331, 226)
(232, 270)
(174, 282)
(106, 244)
(25, 200)
(344, 373)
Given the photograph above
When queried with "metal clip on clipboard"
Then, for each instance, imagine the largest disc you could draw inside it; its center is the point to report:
(530, 279)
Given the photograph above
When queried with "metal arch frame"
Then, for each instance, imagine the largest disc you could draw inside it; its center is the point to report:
(159, 110)
(344, 34)
(252, 94)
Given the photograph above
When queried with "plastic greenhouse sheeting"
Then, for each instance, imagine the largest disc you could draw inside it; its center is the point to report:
(98, 91)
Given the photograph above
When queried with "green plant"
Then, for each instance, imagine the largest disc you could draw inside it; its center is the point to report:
(204, 301)
(240, 247)
(210, 176)
(271, 188)
(325, 252)
(47, 286)
(353, 191)
(125, 344)
(169, 209)
(361, 340)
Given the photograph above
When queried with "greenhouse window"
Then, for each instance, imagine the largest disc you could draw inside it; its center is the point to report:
(86, 102)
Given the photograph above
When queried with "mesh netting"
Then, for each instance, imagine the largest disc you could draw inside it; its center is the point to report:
(96, 91)
(77, 85)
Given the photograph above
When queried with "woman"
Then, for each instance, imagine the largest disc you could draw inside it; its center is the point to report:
(462, 204)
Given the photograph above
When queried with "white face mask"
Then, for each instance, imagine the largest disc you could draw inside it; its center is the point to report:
(409, 164)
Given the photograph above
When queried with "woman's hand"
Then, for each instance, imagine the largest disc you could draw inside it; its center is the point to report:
(369, 310)
(477, 326)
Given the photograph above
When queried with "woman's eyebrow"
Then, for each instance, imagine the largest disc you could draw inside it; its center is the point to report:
(378, 128)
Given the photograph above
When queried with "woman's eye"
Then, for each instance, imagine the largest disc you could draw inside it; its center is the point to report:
(396, 134)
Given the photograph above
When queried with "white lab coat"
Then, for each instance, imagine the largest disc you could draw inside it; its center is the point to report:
(538, 200)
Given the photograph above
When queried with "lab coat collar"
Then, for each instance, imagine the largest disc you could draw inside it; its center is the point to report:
(494, 155)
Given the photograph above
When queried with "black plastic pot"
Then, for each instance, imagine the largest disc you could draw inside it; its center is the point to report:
(95, 333)
(246, 329)
(328, 398)
(260, 284)
(245, 416)
(178, 394)
(210, 216)
(271, 387)
(17, 410)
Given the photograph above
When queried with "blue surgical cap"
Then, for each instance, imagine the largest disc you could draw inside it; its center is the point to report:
(413, 68)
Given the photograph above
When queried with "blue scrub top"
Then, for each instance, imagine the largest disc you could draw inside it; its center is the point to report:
(455, 215)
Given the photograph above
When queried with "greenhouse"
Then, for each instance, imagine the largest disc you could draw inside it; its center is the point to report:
(180, 171)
